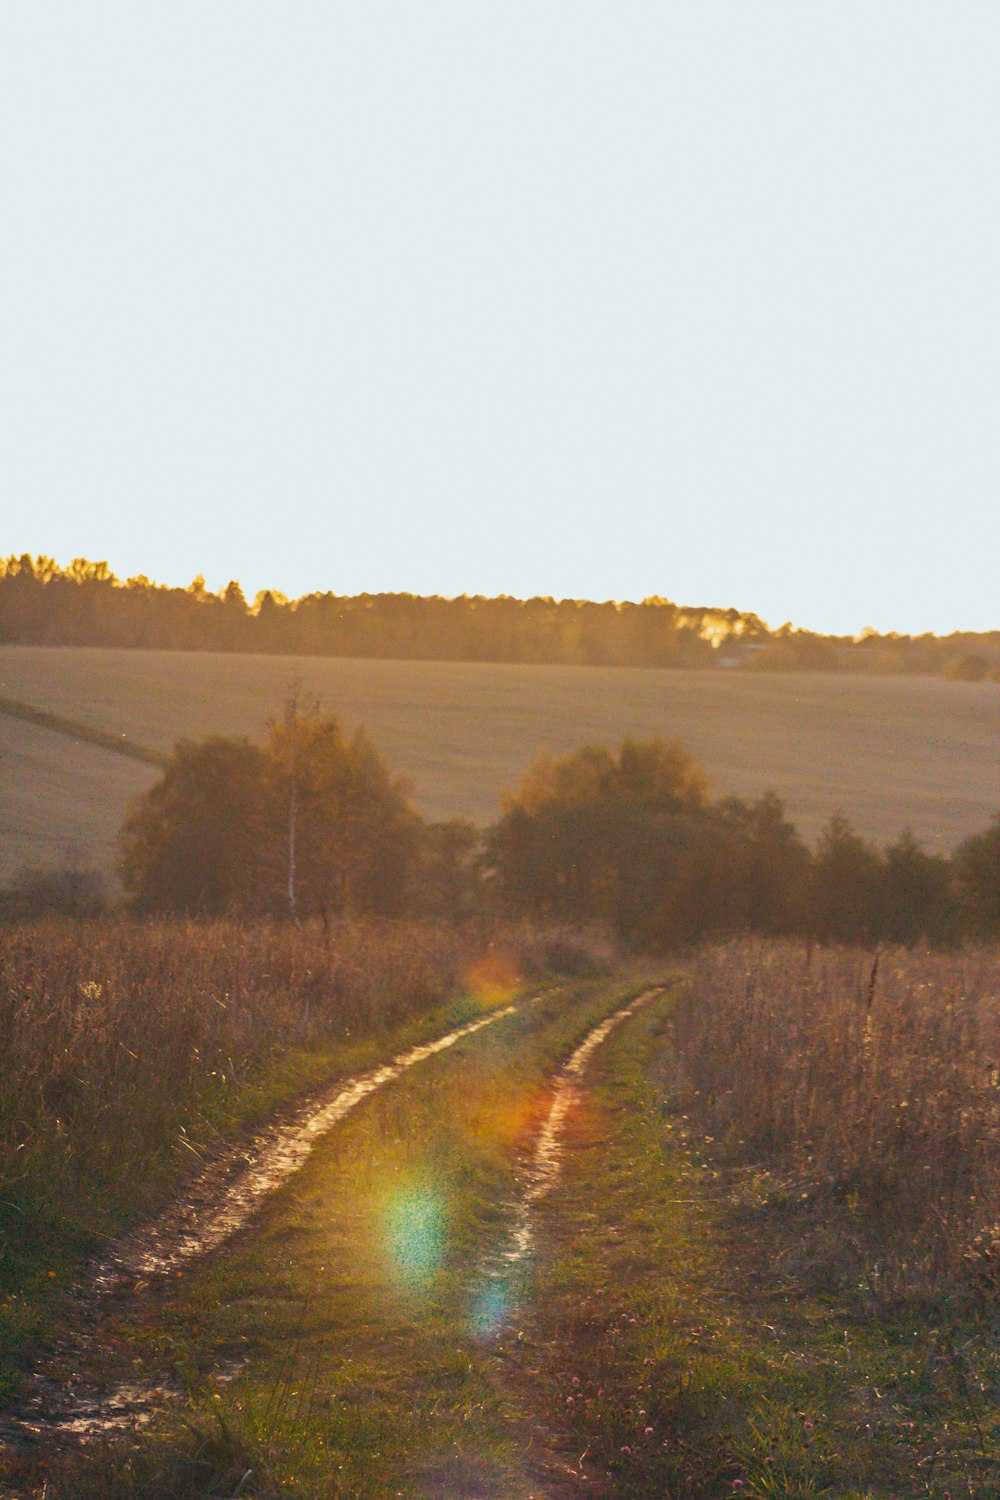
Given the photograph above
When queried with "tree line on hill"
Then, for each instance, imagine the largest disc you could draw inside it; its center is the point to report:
(84, 604)
(312, 823)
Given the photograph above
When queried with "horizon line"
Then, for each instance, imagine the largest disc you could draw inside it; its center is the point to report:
(280, 596)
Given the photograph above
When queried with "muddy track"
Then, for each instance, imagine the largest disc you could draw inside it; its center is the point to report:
(224, 1198)
(553, 1471)
(216, 1205)
(542, 1172)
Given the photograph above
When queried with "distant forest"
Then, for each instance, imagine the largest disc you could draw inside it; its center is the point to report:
(84, 604)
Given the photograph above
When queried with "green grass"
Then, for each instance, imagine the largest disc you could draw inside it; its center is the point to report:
(137, 1052)
(357, 1303)
(40, 1265)
(888, 751)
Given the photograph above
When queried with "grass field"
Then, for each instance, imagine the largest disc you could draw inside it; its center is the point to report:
(132, 1049)
(663, 1333)
(888, 751)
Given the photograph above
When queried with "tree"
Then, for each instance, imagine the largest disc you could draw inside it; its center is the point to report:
(977, 871)
(845, 886)
(311, 822)
(773, 865)
(677, 881)
(192, 843)
(447, 877)
(918, 894)
(590, 835)
(734, 867)
(354, 832)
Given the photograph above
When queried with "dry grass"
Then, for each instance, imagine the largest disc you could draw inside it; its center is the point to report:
(129, 1050)
(125, 1046)
(888, 751)
(862, 1098)
(120, 1040)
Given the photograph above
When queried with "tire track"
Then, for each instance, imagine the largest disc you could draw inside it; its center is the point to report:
(500, 1273)
(218, 1204)
(205, 1218)
(225, 1197)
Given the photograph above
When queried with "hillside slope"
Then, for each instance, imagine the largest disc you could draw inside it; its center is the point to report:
(889, 752)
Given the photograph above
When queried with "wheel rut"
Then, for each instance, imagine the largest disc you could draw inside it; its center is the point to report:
(222, 1201)
(542, 1171)
(219, 1203)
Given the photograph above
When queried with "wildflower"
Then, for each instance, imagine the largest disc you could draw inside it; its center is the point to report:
(648, 1431)
(625, 1448)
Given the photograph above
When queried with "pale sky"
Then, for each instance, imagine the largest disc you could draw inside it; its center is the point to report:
(599, 300)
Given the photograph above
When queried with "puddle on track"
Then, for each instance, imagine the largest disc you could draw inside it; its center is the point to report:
(63, 1413)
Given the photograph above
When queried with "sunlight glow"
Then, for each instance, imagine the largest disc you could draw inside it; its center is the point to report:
(491, 1309)
(493, 979)
(413, 1227)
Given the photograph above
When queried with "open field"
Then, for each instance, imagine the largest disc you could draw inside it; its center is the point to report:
(61, 800)
(126, 1055)
(889, 752)
(130, 1050)
(524, 1268)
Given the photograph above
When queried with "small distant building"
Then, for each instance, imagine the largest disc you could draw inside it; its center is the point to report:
(732, 654)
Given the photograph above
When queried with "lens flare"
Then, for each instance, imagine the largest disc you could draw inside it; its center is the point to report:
(491, 1309)
(509, 1120)
(413, 1228)
(493, 979)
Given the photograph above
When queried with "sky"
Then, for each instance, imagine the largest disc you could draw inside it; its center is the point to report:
(614, 300)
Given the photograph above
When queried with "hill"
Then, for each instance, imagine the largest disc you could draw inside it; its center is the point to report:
(888, 752)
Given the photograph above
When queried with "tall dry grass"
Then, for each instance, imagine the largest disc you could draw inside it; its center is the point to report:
(126, 1046)
(123, 1046)
(866, 1093)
